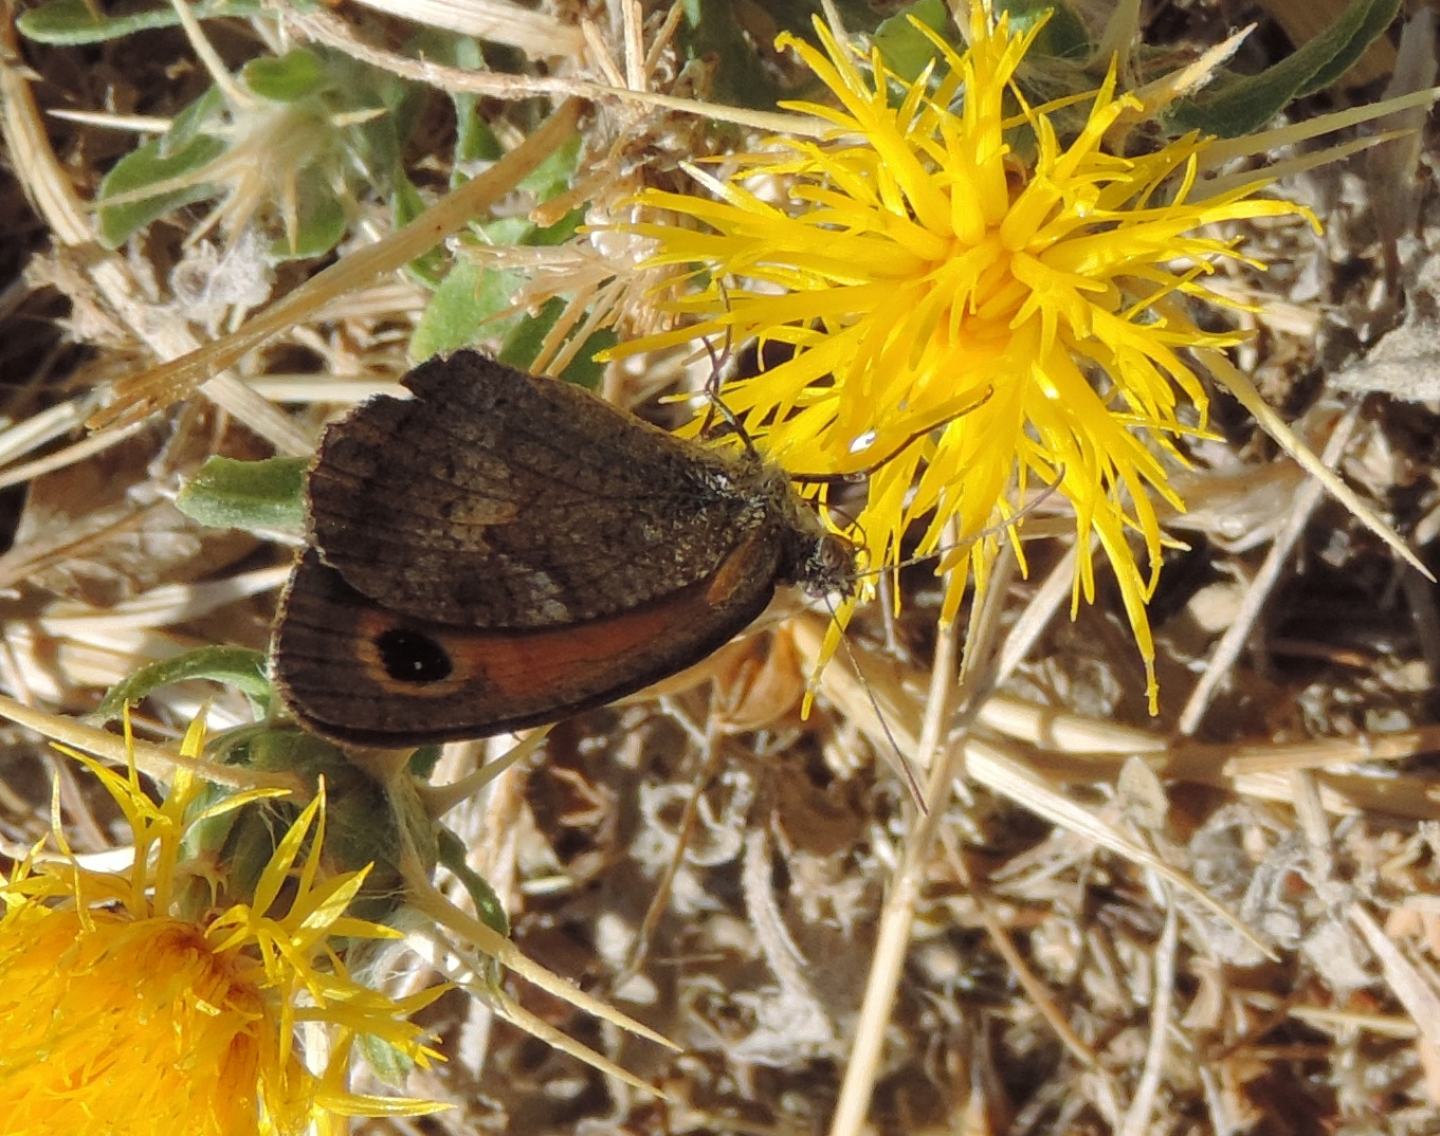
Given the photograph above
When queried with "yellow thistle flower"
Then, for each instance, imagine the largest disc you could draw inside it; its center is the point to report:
(127, 1013)
(980, 320)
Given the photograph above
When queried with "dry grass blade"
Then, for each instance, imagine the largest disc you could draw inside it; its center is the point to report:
(535, 33)
(151, 759)
(446, 916)
(1001, 773)
(1234, 639)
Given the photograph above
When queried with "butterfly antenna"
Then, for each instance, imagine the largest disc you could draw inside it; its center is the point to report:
(873, 467)
(712, 386)
(911, 781)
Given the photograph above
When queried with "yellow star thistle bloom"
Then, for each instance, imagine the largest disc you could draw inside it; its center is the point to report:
(125, 1013)
(977, 320)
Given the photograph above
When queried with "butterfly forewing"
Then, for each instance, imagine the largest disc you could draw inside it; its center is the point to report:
(495, 499)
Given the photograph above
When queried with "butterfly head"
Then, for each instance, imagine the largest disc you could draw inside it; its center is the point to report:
(828, 566)
(818, 560)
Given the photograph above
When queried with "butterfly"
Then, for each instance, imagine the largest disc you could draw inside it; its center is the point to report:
(503, 550)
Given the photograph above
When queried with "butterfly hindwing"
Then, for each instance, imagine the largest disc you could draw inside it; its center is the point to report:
(367, 675)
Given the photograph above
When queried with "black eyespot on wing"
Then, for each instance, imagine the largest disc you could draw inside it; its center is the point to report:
(410, 656)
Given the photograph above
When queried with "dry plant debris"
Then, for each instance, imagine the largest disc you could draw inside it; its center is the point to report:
(1224, 919)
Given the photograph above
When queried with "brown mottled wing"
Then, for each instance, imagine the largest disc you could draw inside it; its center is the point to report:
(359, 673)
(495, 499)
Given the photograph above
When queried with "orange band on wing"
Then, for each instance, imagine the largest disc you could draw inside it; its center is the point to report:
(529, 663)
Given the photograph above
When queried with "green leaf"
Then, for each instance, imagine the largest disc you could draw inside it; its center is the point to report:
(523, 344)
(469, 298)
(372, 147)
(474, 140)
(558, 233)
(1371, 21)
(423, 762)
(487, 903)
(1238, 105)
(507, 232)
(74, 22)
(191, 122)
(285, 78)
(511, 232)
(231, 494)
(386, 1060)
(239, 667)
(583, 370)
(712, 34)
(405, 205)
(903, 46)
(1064, 35)
(556, 172)
(472, 296)
(321, 221)
(146, 166)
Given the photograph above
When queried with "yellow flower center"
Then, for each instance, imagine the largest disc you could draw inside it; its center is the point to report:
(123, 1027)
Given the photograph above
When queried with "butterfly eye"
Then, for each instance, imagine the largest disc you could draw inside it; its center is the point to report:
(829, 566)
(409, 656)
